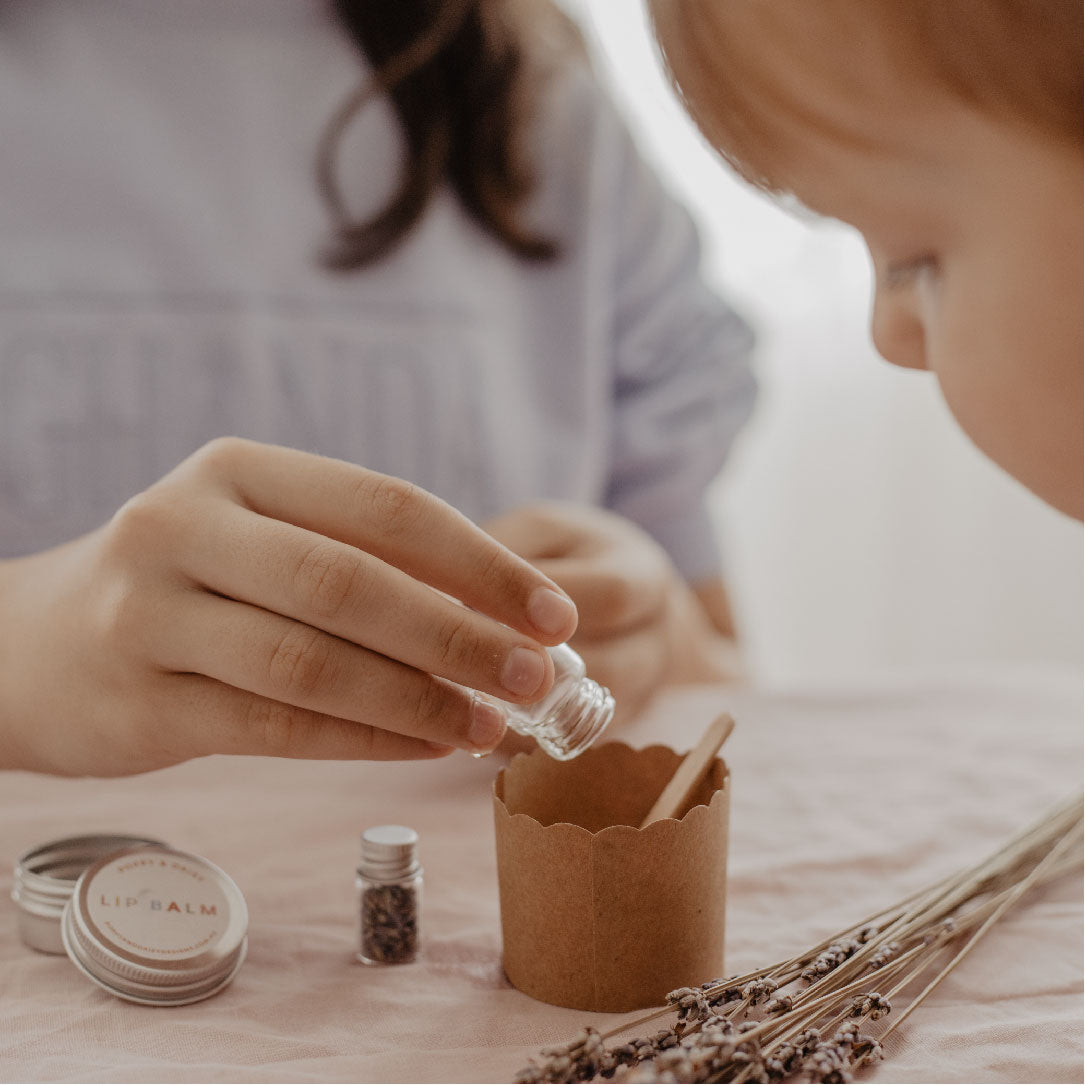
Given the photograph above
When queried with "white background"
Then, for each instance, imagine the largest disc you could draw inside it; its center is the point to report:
(862, 528)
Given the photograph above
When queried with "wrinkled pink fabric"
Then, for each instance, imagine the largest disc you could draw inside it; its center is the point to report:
(844, 800)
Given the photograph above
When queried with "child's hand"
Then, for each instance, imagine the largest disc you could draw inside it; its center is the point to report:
(641, 625)
(263, 601)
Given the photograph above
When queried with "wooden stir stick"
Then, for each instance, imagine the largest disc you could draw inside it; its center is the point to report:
(688, 774)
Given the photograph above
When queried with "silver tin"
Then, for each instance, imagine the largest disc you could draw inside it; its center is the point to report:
(45, 877)
(156, 926)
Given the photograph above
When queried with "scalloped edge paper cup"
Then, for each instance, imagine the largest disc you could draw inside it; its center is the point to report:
(597, 914)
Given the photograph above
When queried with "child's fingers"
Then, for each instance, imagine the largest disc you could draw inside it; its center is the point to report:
(617, 575)
(545, 529)
(208, 717)
(340, 589)
(293, 664)
(615, 593)
(399, 523)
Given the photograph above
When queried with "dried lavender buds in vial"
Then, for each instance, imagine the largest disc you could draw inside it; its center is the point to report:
(572, 715)
(389, 895)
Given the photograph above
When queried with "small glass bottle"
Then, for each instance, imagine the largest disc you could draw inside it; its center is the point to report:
(389, 895)
(572, 715)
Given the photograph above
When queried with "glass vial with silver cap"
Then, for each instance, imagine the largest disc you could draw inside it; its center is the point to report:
(389, 895)
(571, 716)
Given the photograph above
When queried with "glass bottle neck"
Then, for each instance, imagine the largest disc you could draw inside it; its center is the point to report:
(574, 722)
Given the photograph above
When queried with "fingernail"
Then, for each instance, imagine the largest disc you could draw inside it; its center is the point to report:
(487, 725)
(549, 611)
(440, 748)
(524, 672)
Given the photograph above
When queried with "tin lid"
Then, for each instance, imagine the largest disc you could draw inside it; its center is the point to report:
(156, 926)
(46, 875)
(389, 852)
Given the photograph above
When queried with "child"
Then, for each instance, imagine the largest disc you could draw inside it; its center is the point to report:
(949, 135)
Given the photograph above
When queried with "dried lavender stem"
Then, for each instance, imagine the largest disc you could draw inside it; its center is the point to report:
(993, 909)
(798, 1019)
(619, 1029)
(935, 890)
(946, 896)
(1049, 867)
(855, 985)
(1011, 898)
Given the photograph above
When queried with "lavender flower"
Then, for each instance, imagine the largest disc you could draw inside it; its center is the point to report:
(759, 989)
(578, 1060)
(692, 1004)
(871, 1005)
(884, 955)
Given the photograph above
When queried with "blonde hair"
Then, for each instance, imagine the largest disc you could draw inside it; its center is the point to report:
(1019, 60)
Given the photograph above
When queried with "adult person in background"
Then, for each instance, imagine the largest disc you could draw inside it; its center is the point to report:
(508, 316)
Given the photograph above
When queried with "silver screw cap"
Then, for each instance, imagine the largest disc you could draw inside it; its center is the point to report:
(389, 852)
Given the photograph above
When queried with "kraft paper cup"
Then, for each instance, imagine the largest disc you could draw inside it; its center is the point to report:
(597, 914)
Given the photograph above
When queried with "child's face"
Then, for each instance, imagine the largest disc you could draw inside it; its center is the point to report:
(973, 223)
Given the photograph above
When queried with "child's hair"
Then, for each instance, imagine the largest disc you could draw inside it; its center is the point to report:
(459, 78)
(1018, 59)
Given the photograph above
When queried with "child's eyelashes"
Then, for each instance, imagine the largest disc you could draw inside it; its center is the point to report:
(899, 273)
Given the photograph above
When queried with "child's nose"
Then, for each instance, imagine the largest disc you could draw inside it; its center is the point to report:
(898, 332)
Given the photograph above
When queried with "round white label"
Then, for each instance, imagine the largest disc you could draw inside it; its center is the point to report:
(157, 904)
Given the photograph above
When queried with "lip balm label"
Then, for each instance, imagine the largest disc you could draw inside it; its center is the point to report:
(157, 905)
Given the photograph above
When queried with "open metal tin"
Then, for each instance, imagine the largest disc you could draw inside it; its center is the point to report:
(146, 922)
(45, 878)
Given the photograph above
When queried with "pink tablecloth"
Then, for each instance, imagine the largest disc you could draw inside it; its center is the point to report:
(843, 801)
